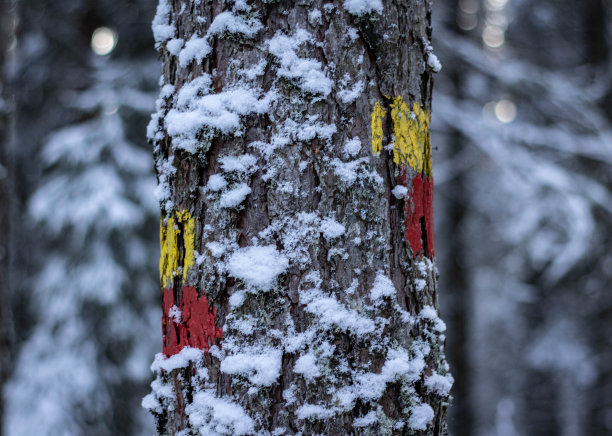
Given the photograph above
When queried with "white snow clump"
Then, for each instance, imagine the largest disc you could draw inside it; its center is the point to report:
(258, 266)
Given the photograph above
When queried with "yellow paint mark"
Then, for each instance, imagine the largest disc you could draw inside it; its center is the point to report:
(412, 142)
(378, 113)
(411, 130)
(167, 242)
(177, 241)
(188, 241)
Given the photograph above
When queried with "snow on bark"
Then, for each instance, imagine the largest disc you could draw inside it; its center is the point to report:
(300, 241)
(361, 7)
(257, 267)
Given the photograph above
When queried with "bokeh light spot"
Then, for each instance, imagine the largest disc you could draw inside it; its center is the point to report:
(103, 41)
(493, 36)
(505, 111)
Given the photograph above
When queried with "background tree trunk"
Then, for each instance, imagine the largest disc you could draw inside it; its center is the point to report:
(294, 168)
(6, 39)
(457, 303)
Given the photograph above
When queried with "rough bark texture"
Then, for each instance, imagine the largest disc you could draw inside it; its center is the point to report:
(343, 336)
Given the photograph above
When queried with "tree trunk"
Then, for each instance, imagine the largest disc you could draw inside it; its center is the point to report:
(456, 307)
(458, 300)
(294, 167)
(6, 39)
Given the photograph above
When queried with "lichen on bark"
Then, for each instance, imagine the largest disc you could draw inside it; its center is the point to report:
(263, 135)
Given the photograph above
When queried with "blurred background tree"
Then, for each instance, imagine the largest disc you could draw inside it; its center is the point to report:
(6, 40)
(83, 290)
(522, 122)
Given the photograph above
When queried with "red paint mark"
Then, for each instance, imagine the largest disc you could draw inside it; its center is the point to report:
(419, 216)
(196, 322)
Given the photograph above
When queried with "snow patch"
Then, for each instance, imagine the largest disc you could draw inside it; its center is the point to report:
(216, 249)
(420, 284)
(306, 366)
(399, 192)
(256, 70)
(162, 30)
(227, 22)
(175, 314)
(347, 172)
(431, 314)
(306, 72)
(218, 416)
(261, 368)
(432, 59)
(175, 45)
(350, 95)
(362, 7)
(369, 419)
(332, 313)
(238, 164)
(352, 147)
(314, 411)
(159, 391)
(439, 384)
(235, 197)
(151, 403)
(371, 386)
(311, 129)
(258, 266)
(314, 17)
(289, 395)
(216, 182)
(180, 360)
(165, 170)
(197, 48)
(236, 299)
(331, 228)
(421, 416)
(434, 63)
(382, 287)
(190, 91)
(219, 111)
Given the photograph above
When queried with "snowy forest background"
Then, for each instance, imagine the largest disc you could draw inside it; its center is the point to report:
(522, 125)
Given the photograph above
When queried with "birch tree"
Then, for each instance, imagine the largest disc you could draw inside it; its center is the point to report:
(293, 157)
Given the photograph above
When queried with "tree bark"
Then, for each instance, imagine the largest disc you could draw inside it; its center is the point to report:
(457, 304)
(294, 167)
(6, 39)
(595, 13)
